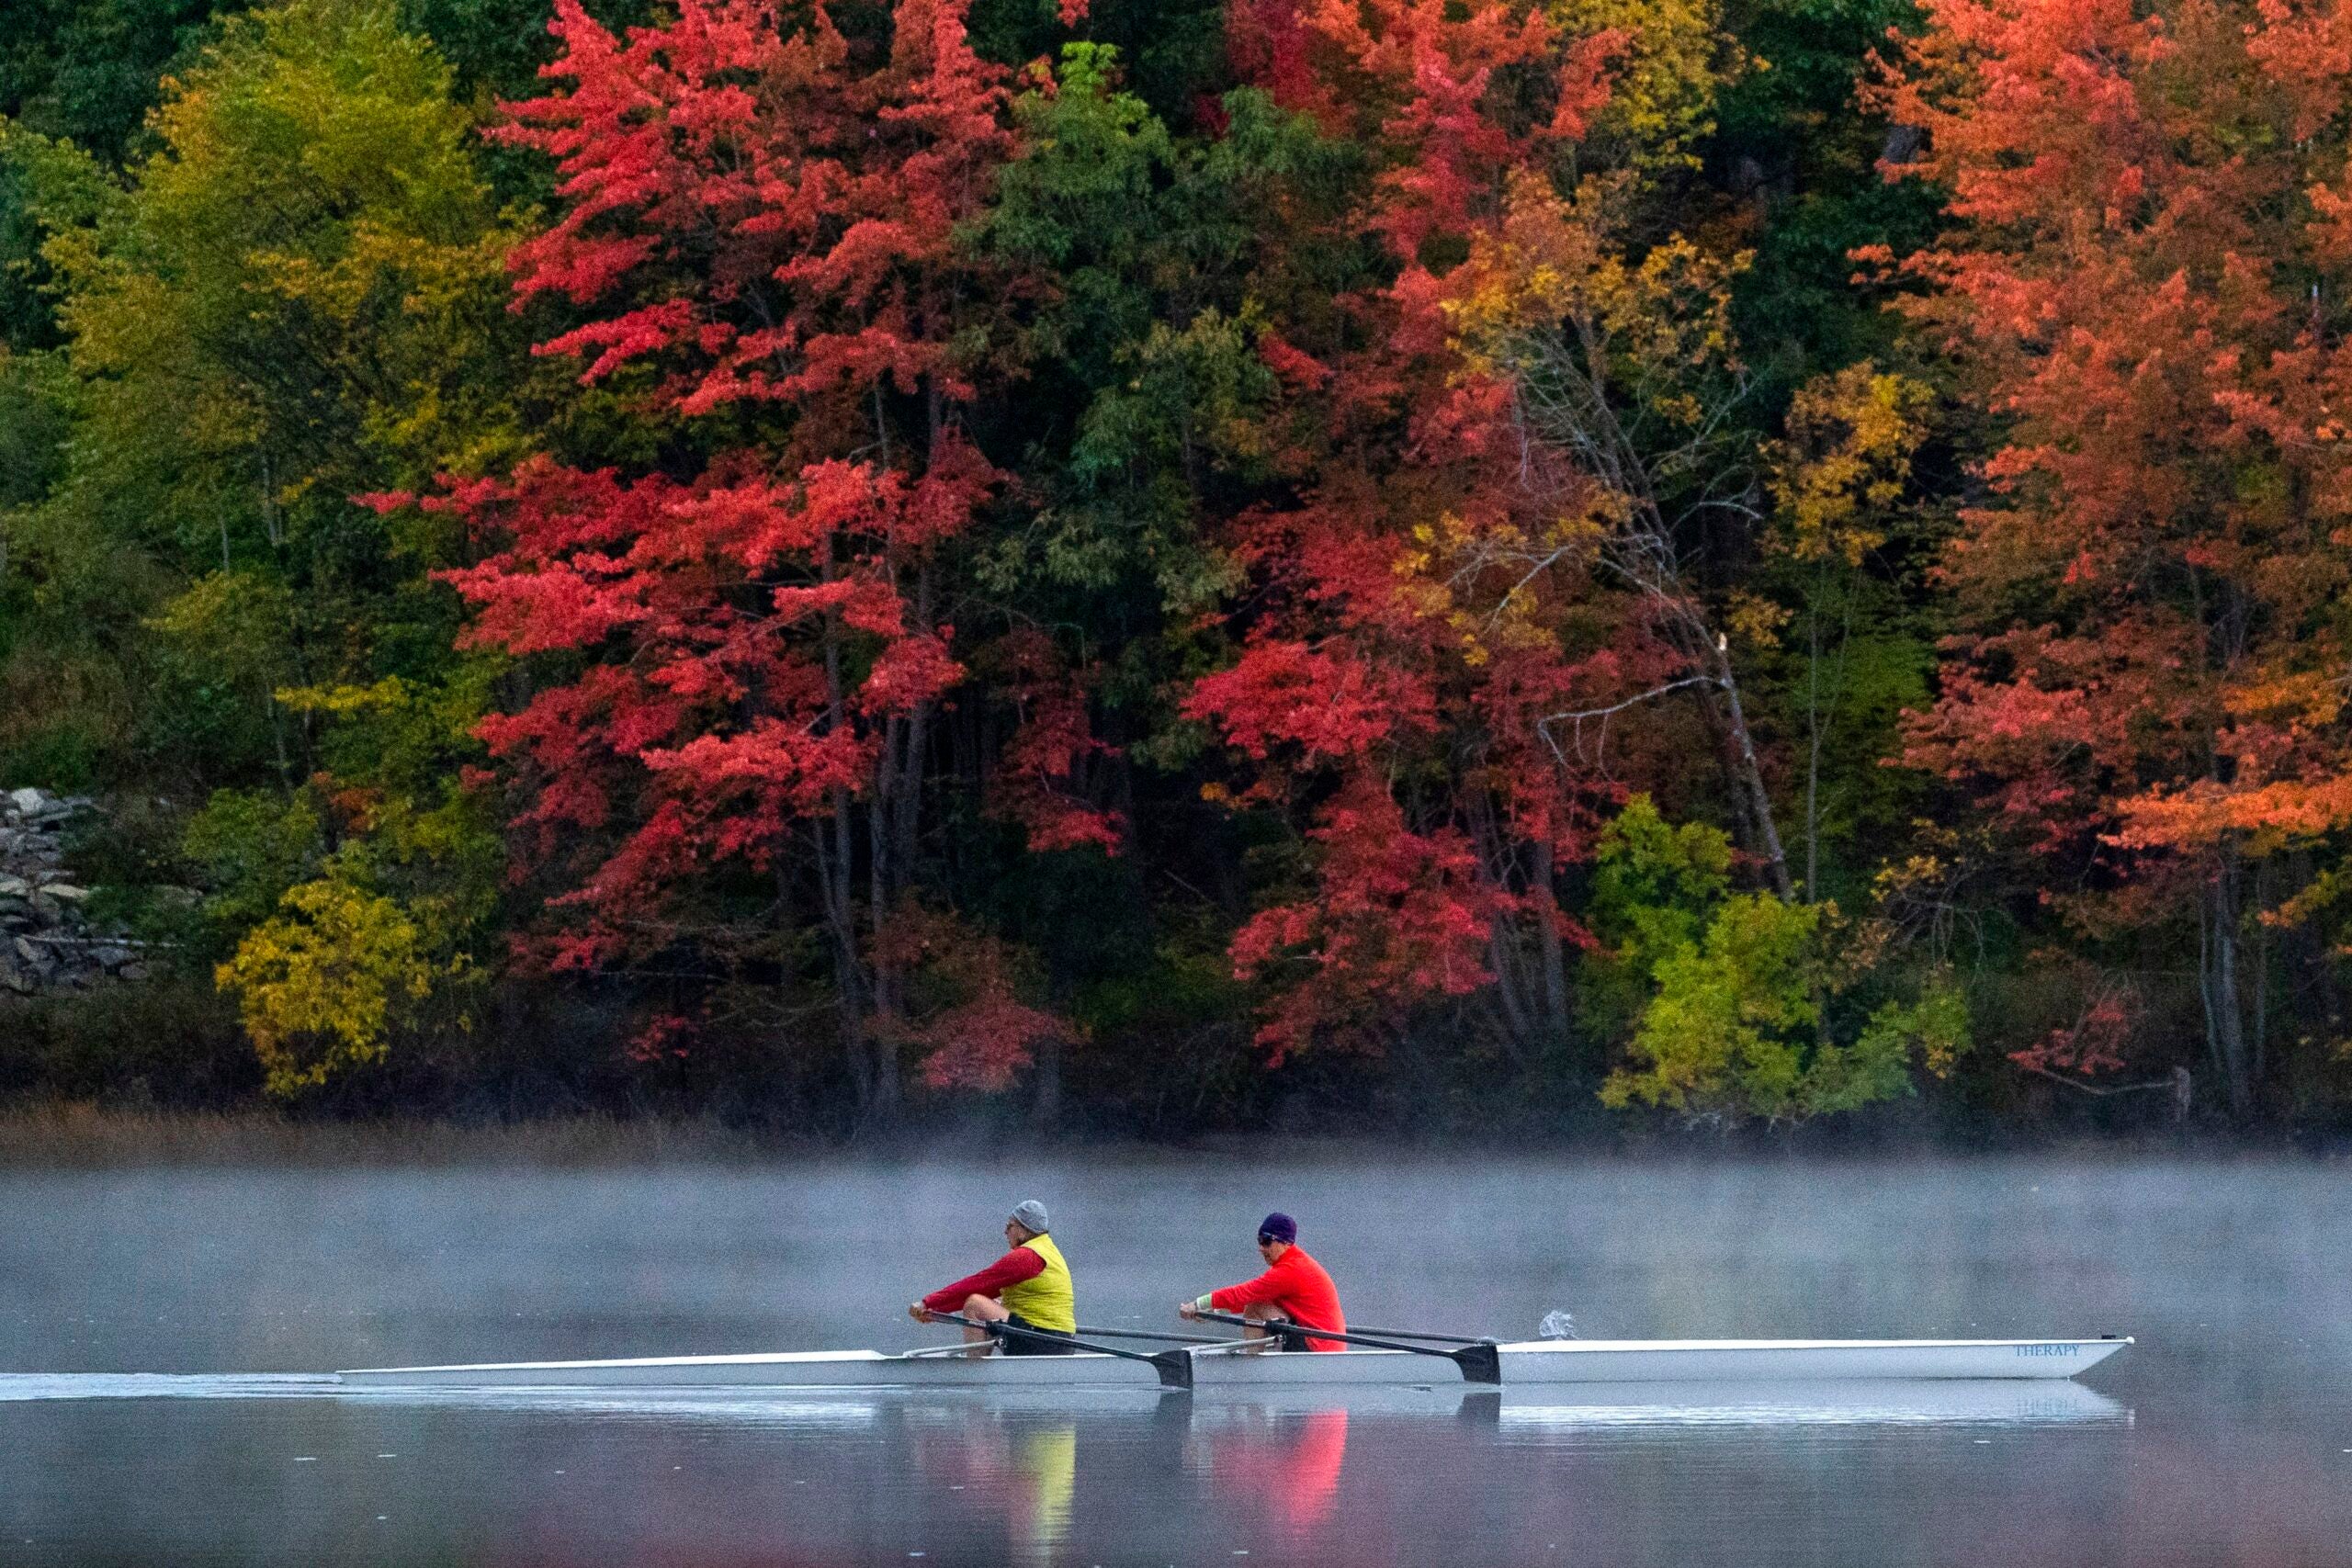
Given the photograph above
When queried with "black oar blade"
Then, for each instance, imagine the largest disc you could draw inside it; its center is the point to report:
(1175, 1369)
(1480, 1363)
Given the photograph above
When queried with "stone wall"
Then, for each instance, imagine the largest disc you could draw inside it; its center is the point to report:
(48, 944)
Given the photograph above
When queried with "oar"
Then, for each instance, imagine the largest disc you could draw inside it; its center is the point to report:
(1175, 1366)
(1409, 1333)
(1480, 1360)
(1164, 1339)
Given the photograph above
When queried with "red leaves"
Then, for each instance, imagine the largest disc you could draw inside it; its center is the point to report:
(1333, 706)
(1410, 622)
(907, 674)
(1039, 781)
(714, 698)
(766, 218)
(1398, 918)
(968, 1020)
(2095, 1041)
(982, 1045)
(785, 219)
(1300, 371)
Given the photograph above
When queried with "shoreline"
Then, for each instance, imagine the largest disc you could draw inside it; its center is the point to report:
(81, 1136)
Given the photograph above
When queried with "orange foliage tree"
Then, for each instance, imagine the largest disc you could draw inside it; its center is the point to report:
(2144, 289)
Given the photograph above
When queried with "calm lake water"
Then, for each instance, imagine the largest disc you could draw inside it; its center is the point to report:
(135, 1304)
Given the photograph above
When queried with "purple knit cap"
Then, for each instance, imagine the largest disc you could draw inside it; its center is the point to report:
(1280, 1228)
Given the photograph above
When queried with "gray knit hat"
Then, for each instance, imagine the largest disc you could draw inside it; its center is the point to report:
(1031, 1216)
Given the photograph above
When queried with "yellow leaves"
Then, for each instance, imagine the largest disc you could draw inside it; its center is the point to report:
(1846, 461)
(1546, 263)
(311, 232)
(1555, 299)
(1917, 871)
(1679, 56)
(391, 694)
(232, 625)
(1492, 582)
(2314, 697)
(320, 985)
(1756, 620)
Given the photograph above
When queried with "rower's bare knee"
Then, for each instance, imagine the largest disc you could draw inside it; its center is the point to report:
(981, 1310)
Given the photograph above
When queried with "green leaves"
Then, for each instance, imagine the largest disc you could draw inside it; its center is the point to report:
(1655, 882)
(1745, 997)
(297, 296)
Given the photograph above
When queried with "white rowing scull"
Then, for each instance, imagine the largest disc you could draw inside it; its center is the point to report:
(1539, 1362)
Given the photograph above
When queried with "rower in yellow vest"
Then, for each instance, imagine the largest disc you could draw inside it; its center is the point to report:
(1029, 1287)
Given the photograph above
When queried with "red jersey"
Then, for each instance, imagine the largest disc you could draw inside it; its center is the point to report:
(1016, 1264)
(1297, 1285)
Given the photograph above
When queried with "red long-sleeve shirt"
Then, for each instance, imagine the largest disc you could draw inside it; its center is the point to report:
(1015, 1266)
(1297, 1284)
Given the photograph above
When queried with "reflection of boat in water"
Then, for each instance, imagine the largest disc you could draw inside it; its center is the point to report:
(1592, 1406)
(1527, 1363)
(1748, 1405)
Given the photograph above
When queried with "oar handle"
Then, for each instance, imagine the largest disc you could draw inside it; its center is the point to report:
(1174, 1367)
(1481, 1360)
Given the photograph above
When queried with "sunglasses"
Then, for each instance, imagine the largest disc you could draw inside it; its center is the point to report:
(1265, 1240)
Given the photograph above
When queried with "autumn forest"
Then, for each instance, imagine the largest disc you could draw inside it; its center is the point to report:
(1546, 567)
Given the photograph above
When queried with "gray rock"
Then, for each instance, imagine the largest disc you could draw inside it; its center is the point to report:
(28, 801)
(14, 886)
(132, 971)
(64, 892)
(112, 957)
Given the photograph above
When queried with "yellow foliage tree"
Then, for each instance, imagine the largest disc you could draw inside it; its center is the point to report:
(321, 984)
(1679, 56)
(1847, 461)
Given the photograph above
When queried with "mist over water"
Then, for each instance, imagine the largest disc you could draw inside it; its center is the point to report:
(155, 1325)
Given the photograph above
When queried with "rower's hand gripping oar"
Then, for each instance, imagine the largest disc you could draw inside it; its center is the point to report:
(1174, 1367)
(1481, 1360)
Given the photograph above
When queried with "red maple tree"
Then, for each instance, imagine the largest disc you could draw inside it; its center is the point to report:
(1404, 646)
(736, 656)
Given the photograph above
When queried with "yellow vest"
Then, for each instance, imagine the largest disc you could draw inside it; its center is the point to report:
(1047, 1301)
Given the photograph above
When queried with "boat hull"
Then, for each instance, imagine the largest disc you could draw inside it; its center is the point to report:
(1543, 1362)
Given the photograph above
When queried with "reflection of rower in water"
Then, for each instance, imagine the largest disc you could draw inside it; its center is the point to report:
(1285, 1463)
(1293, 1288)
(1029, 1287)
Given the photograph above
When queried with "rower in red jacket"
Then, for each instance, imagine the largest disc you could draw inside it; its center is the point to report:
(1293, 1288)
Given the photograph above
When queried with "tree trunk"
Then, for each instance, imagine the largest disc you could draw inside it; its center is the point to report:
(1552, 949)
(1046, 1102)
(874, 1063)
(888, 1001)
(2218, 949)
(1752, 774)
(1503, 959)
